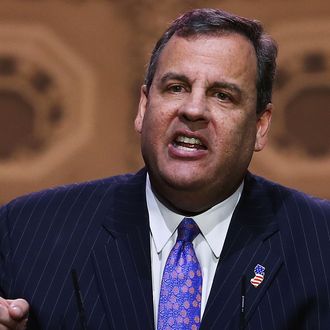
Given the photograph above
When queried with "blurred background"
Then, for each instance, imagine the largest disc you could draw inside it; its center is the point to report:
(71, 70)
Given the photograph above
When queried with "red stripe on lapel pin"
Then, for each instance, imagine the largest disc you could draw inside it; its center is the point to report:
(259, 273)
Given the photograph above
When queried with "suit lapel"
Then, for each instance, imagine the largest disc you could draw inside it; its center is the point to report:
(122, 259)
(251, 240)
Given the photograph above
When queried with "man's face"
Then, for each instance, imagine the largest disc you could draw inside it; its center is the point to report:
(198, 122)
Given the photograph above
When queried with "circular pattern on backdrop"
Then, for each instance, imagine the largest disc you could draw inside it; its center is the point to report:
(298, 153)
(46, 101)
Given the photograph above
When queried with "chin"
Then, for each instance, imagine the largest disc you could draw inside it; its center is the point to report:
(181, 177)
(184, 182)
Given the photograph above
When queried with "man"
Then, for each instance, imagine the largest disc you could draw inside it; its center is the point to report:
(97, 255)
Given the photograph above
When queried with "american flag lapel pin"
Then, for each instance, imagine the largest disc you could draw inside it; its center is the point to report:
(259, 273)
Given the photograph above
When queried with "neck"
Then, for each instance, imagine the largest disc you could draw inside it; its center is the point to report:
(189, 202)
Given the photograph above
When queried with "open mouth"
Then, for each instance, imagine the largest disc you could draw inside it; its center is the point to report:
(188, 143)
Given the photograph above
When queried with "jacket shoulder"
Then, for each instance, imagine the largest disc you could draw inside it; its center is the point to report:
(292, 206)
(76, 193)
(279, 191)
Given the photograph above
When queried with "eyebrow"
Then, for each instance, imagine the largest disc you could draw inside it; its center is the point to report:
(174, 76)
(227, 85)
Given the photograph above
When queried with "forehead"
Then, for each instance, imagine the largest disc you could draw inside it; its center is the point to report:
(228, 56)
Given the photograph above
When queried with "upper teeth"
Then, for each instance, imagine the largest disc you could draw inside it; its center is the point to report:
(188, 140)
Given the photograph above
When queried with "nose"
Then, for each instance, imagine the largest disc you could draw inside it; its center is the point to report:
(194, 108)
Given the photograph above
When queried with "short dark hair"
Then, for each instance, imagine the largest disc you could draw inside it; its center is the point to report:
(209, 21)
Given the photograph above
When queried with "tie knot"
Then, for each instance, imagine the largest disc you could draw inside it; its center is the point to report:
(187, 230)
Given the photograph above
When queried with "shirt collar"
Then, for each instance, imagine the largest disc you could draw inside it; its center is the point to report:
(212, 223)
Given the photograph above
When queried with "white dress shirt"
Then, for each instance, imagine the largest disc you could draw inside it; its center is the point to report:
(213, 225)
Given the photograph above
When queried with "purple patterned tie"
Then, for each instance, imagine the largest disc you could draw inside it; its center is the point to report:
(181, 289)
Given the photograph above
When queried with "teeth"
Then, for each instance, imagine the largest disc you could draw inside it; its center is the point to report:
(185, 139)
(186, 148)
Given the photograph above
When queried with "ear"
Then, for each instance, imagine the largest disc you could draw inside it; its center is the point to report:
(141, 110)
(263, 126)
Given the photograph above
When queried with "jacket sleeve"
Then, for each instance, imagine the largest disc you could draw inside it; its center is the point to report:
(5, 254)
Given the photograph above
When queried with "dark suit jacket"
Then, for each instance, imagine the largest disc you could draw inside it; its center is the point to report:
(100, 229)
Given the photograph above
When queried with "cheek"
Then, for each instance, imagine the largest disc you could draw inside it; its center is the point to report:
(158, 118)
(235, 132)
(154, 129)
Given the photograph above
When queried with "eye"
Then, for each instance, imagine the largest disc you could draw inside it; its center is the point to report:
(223, 96)
(176, 88)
